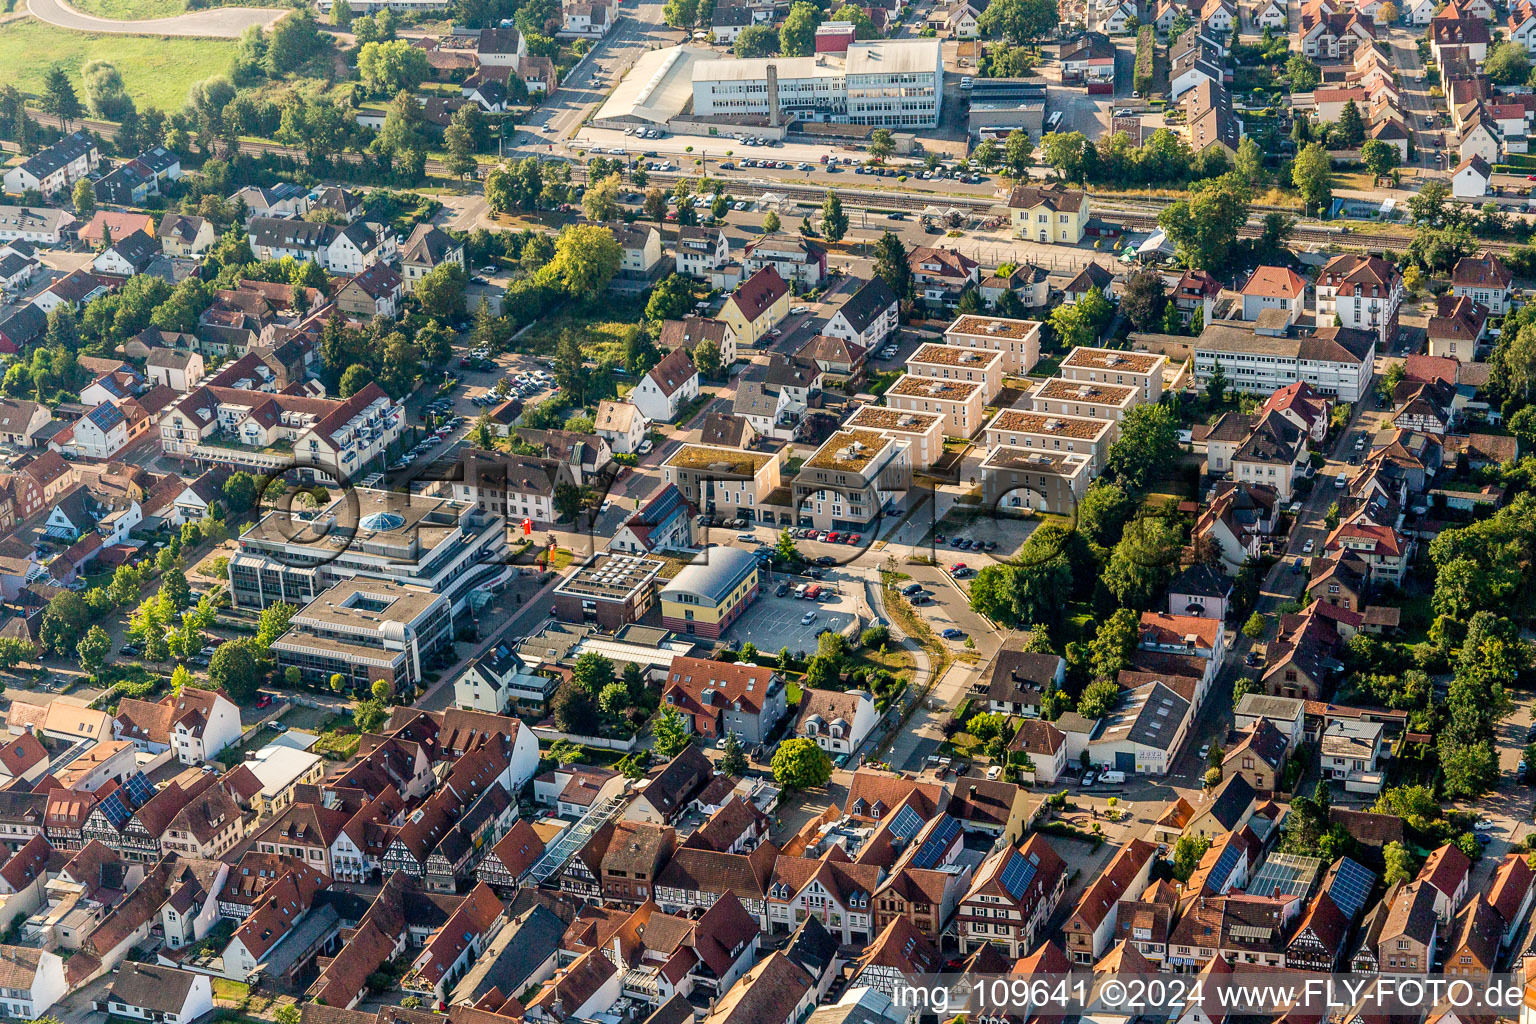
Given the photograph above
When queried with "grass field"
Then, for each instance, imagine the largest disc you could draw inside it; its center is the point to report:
(156, 71)
(131, 10)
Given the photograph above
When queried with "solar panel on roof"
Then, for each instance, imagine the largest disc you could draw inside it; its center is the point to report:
(1016, 876)
(115, 811)
(139, 788)
(937, 843)
(1352, 884)
(906, 824)
(1225, 864)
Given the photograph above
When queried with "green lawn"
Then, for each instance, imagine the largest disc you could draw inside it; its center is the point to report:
(600, 331)
(157, 71)
(131, 10)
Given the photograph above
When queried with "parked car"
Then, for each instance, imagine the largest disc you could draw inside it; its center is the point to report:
(953, 634)
(911, 589)
(807, 618)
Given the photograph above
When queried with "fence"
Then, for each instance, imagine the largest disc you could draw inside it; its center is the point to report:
(548, 735)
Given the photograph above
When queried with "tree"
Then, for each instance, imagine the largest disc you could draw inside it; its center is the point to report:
(1212, 777)
(105, 95)
(341, 14)
(834, 222)
(1114, 643)
(800, 764)
(382, 690)
(460, 144)
(354, 380)
(1380, 158)
(654, 207)
(587, 256)
(592, 672)
(1386, 14)
(369, 715)
(93, 648)
(681, 13)
(670, 737)
(1508, 64)
(1018, 152)
(985, 154)
(1249, 162)
(1304, 75)
(1142, 300)
(59, 97)
(64, 623)
(1312, 174)
(1399, 862)
(1216, 384)
(1351, 125)
(732, 761)
(785, 547)
(294, 40)
(1019, 21)
(601, 201)
(1468, 769)
(770, 222)
(1098, 698)
(881, 143)
(338, 682)
(1149, 438)
(84, 198)
(1242, 686)
(1254, 628)
(1067, 152)
(671, 299)
(614, 698)
(797, 36)
(706, 358)
(1186, 855)
(756, 41)
(14, 651)
(176, 591)
(233, 669)
(863, 27)
(574, 711)
(239, 492)
(1144, 560)
(1204, 227)
(892, 267)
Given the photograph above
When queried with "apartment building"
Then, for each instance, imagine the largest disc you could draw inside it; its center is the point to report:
(729, 483)
(1060, 397)
(261, 432)
(956, 362)
(1141, 370)
(1336, 361)
(518, 486)
(56, 168)
(1364, 292)
(367, 630)
(608, 590)
(921, 432)
(849, 480)
(448, 547)
(1044, 481)
(1017, 340)
(961, 403)
(1073, 435)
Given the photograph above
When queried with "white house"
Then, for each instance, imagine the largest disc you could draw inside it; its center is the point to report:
(701, 250)
(31, 981)
(671, 384)
(620, 424)
(56, 168)
(1471, 178)
(154, 993)
(837, 722)
(176, 368)
(868, 317)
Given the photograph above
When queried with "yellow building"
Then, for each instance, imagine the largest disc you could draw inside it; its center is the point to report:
(710, 592)
(1049, 213)
(757, 305)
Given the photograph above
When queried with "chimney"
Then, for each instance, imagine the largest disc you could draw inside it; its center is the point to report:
(773, 96)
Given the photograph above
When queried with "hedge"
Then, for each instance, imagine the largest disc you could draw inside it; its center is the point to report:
(1146, 47)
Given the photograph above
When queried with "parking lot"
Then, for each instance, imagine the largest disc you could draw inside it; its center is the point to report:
(774, 623)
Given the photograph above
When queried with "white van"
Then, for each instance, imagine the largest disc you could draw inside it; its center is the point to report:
(1112, 778)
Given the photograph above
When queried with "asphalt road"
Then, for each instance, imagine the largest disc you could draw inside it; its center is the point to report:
(218, 23)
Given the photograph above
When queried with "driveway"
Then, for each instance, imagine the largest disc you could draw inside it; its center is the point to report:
(219, 23)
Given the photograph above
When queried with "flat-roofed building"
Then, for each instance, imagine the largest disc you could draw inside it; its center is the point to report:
(449, 547)
(611, 590)
(961, 403)
(1079, 398)
(1020, 478)
(1336, 361)
(959, 362)
(1141, 370)
(923, 432)
(1017, 340)
(849, 480)
(725, 482)
(367, 630)
(1039, 431)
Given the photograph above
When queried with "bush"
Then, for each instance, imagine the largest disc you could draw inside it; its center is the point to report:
(1146, 53)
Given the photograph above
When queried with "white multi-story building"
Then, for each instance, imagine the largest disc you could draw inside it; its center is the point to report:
(1335, 361)
(953, 362)
(1364, 292)
(1017, 340)
(959, 402)
(887, 82)
(56, 168)
(1140, 370)
(1079, 435)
